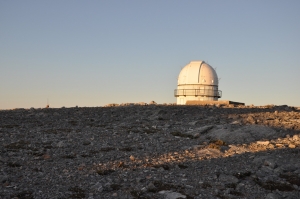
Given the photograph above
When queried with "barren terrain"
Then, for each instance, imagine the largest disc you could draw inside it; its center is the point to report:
(154, 151)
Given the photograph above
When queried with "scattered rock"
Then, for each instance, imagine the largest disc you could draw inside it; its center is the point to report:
(152, 103)
(244, 134)
(60, 144)
(296, 137)
(132, 150)
(292, 146)
(273, 196)
(172, 195)
(132, 158)
(270, 163)
(263, 142)
(228, 179)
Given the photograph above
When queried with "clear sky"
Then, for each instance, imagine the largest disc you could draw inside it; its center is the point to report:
(91, 53)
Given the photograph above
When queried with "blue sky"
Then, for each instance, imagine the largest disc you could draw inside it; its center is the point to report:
(91, 53)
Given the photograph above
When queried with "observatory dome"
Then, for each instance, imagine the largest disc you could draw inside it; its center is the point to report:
(198, 72)
(197, 81)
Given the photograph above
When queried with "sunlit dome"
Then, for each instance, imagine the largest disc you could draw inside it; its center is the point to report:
(197, 81)
(198, 72)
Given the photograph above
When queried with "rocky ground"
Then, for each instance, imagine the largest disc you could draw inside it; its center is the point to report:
(154, 151)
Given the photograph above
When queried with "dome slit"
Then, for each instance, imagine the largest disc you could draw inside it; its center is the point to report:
(199, 72)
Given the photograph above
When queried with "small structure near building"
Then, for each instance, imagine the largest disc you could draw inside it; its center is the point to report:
(198, 84)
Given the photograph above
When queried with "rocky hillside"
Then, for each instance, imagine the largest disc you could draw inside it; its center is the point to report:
(154, 151)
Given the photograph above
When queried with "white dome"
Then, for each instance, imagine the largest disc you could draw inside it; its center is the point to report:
(198, 72)
(197, 81)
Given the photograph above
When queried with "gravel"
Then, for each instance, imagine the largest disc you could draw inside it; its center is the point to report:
(150, 151)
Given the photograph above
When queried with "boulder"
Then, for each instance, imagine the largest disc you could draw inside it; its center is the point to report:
(245, 134)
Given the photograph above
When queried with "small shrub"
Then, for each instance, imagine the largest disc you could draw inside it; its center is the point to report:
(14, 164)
(104, 172)
(182, 166)
(206, 185)
(77, 192)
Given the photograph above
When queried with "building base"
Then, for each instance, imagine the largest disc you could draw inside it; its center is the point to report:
(220, 102)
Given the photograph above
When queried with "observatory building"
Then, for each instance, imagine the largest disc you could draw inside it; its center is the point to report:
(197, 82)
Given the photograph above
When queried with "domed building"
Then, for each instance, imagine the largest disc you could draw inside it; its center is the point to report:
(197, 81)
